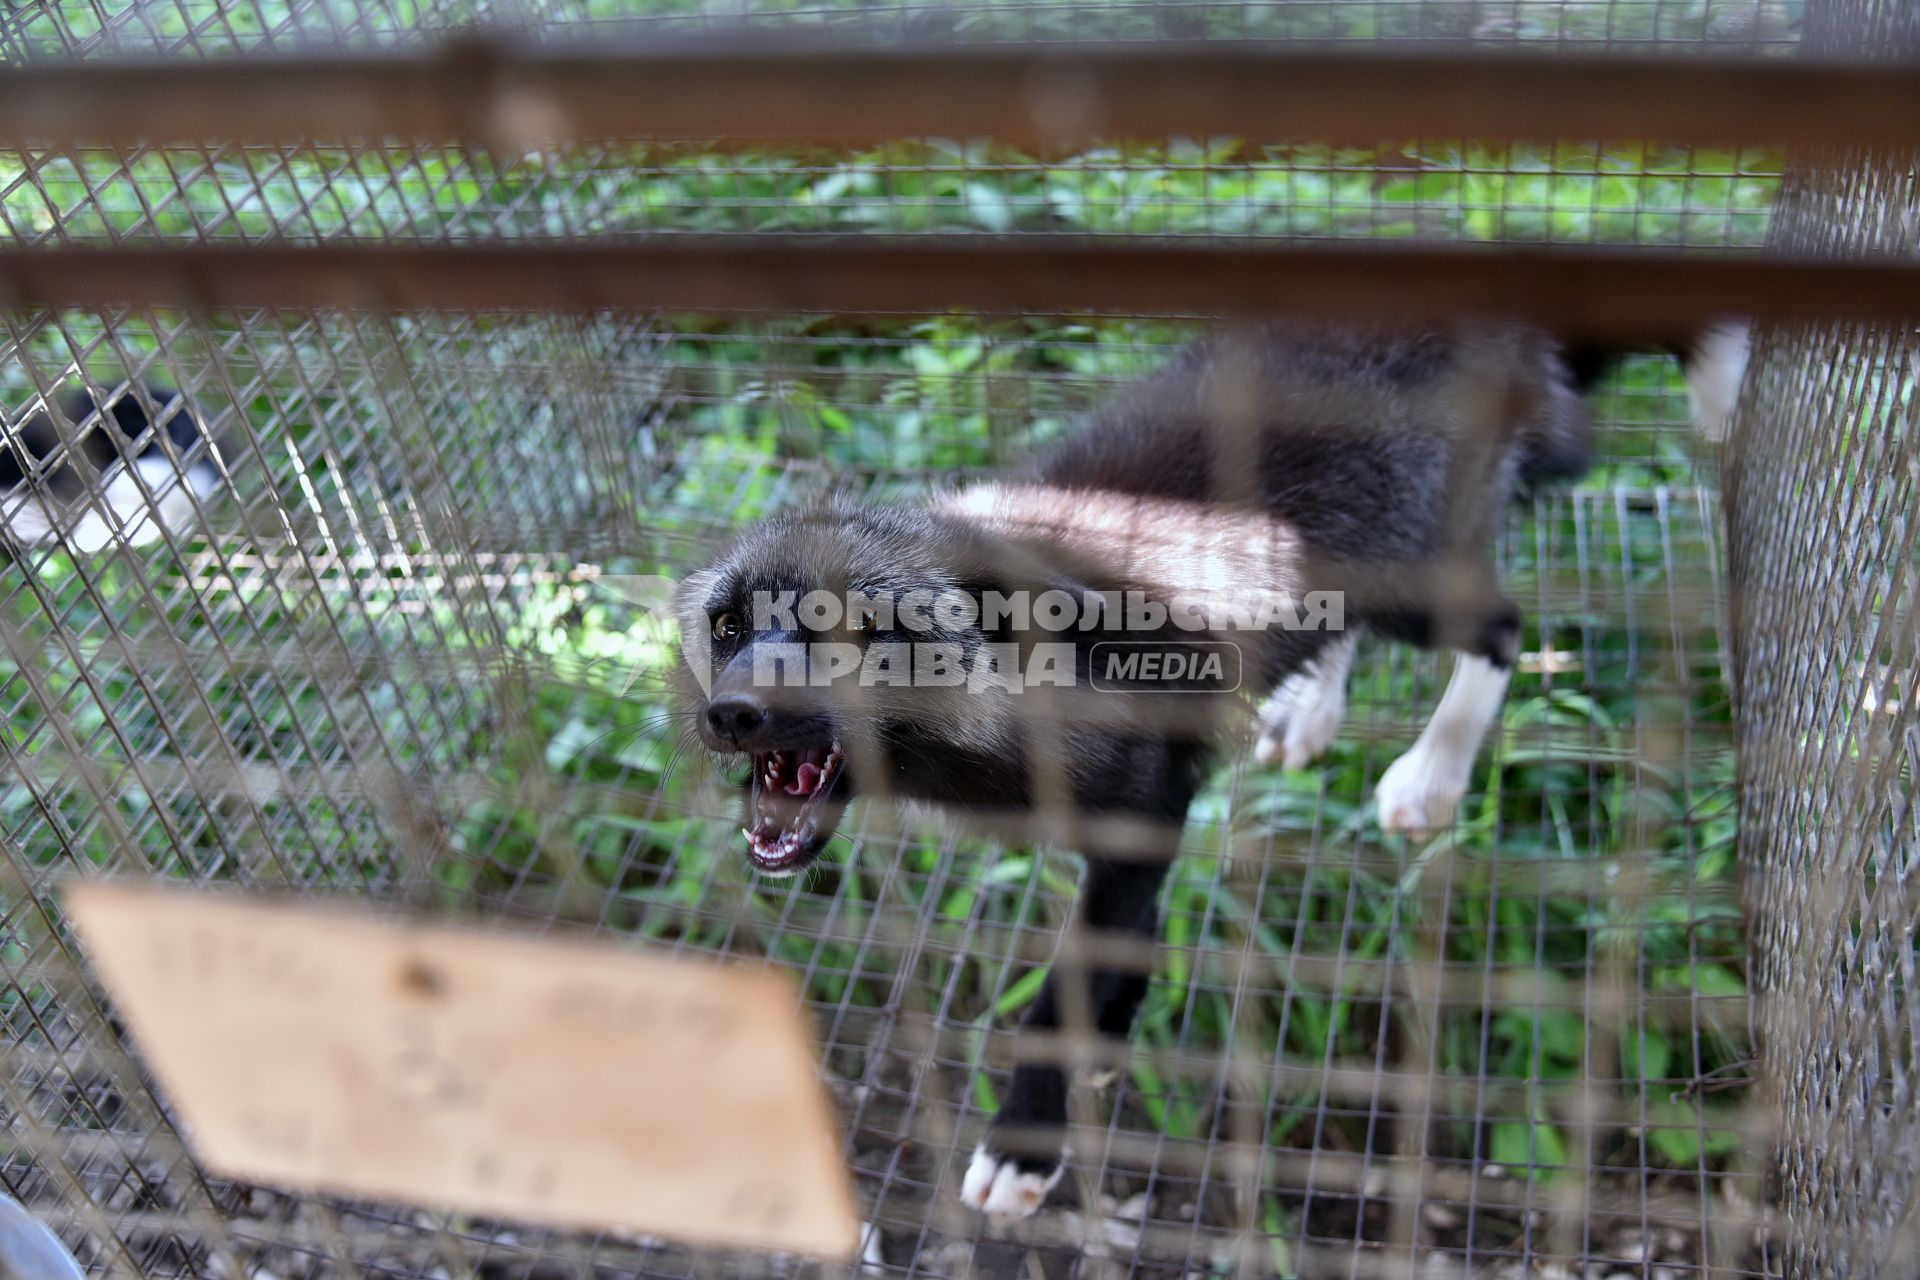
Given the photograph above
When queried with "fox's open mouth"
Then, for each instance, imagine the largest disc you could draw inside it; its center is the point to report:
(793, 808)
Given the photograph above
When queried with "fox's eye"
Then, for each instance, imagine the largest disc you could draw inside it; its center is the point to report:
(725, 626)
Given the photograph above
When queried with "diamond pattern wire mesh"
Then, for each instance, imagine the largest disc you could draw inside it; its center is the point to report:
(65, 28)
(1831, 742)
(389, 669)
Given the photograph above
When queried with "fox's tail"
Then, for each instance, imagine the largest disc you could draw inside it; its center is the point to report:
(1714, 361)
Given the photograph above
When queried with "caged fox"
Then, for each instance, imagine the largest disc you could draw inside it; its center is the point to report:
(1059, 655)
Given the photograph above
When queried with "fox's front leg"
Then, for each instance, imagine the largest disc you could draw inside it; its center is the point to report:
(1020, 1160)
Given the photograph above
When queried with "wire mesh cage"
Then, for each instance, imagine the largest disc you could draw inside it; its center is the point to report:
(464, 727)
(396, 653)
(47, 29)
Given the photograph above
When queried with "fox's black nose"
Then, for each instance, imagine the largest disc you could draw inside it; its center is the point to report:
(735, 715)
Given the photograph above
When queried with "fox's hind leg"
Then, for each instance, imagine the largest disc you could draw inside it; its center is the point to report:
(1300, 717)
(1421, 791)
(1020, 1161)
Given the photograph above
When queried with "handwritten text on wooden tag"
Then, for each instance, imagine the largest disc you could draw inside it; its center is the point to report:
(579, 1085)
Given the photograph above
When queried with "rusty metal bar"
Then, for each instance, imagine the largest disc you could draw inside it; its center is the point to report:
(1599, 292)
(511, 96)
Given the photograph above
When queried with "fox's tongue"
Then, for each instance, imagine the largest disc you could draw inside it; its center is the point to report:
(784, 829)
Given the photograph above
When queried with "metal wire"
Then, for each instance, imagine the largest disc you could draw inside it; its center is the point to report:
(49, 28)
(1829, 759)
(892, 948)
(384, 661)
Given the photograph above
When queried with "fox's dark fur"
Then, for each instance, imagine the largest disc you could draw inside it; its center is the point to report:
(1375, 462)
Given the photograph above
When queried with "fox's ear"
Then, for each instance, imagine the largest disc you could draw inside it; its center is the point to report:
(690, 598)
(689, 595)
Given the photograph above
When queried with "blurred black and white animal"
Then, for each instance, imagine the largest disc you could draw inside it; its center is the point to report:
(93, 477)
(1367, 467)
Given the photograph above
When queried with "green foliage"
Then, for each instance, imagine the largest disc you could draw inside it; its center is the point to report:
(573, 790)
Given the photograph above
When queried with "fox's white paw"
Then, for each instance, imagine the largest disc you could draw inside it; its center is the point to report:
(1299, 719)
(995, 1186)
(1298, 725)
(1421, 791)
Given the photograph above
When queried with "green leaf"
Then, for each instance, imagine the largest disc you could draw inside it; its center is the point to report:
(1021, 993)
(1537, 1145)
(1645, 1055)
(1675, 1132)
(1563, 1035)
